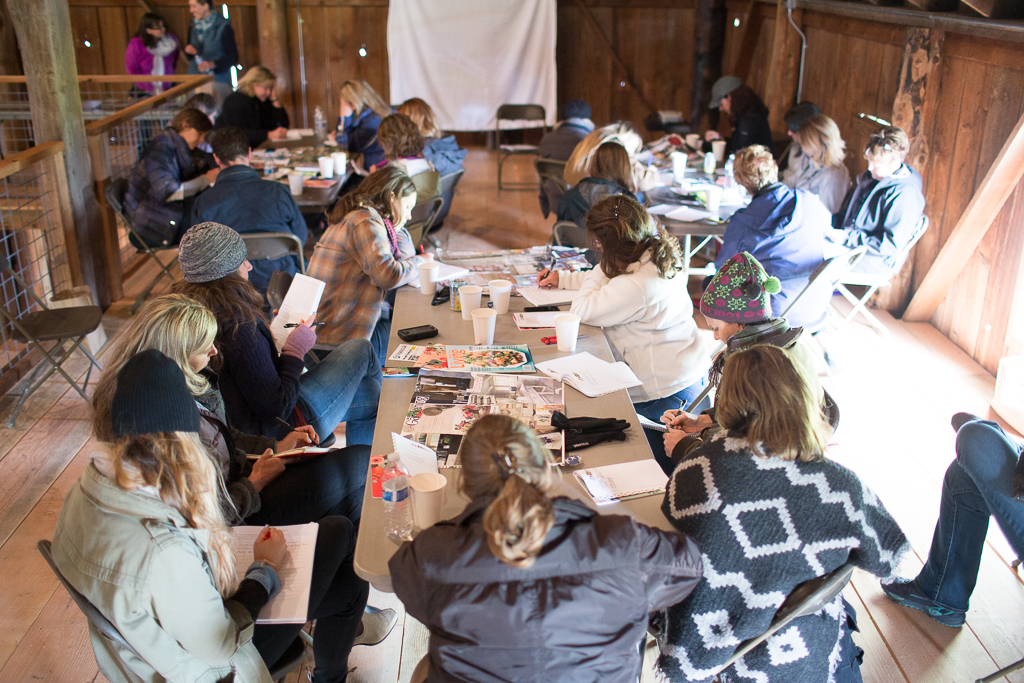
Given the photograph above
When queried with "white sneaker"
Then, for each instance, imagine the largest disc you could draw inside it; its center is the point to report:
(377, 626)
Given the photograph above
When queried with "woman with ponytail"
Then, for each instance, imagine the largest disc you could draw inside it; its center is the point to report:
(523, 586)
(142, 536)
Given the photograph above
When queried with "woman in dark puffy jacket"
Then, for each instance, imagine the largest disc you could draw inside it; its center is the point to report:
(524, 587)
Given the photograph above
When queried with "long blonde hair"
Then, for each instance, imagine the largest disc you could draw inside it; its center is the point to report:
(521, 515)
(361, 95)
(765, 395)
(177, 465)
(175, 325)
(422, 115)
(578, 166)
(820, 139)
(256, 75)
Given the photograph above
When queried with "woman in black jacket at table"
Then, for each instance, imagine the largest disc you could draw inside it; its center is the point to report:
(254, 108)
(747, 114)
(522, 586)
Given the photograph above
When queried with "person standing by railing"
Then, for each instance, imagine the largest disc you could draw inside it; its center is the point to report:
(211, 47)
(151, 52)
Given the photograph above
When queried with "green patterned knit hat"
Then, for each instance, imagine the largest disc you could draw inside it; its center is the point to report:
(739, 292)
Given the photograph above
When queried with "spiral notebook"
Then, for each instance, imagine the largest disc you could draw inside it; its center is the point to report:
(622, 481)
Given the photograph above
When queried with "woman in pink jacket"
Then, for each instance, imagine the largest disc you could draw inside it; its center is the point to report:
(151, 52)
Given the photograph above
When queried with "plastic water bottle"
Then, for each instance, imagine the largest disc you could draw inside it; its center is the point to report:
(730, 179)
(397, 513)
(709, 163)
(319, 125)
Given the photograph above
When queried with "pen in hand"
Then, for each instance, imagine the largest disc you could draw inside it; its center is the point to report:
(288, 325)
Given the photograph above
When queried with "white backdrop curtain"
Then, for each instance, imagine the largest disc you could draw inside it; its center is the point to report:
(467, 57)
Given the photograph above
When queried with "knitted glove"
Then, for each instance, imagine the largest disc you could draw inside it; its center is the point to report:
(583, 432)
(299, 342)
(575, 441)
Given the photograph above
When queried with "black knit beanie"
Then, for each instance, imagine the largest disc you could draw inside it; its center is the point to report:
(152, 397)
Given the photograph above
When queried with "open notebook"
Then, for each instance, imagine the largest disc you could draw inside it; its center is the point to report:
(624, 480)
(590, 375)
(296, 571)
(301, 301)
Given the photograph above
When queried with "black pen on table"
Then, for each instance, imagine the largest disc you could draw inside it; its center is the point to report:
(287, 325)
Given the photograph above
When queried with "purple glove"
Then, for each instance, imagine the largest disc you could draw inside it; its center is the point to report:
(299, 342)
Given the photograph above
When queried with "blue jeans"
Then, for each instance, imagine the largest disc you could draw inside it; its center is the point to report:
(653, 410)
(977, 486)
(343, 387)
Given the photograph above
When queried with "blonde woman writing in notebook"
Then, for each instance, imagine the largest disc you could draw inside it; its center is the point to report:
(485, 583)
(638, 295)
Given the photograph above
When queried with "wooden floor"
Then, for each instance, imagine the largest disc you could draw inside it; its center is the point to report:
(896, 394)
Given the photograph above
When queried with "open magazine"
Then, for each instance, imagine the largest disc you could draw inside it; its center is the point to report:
(445, 405)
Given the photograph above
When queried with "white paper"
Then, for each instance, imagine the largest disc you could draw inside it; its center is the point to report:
(688, 214)
(416, 457)
(651, 424)
(589, 375)
(445, 273)
(662, 209)
(301, 301)
(303, 452)
(548, 297)
(612, 483)
(299, 133)
(291, 605)
(542, 320)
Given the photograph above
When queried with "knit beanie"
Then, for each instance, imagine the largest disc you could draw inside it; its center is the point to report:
(739, 292)
(151, 397)
(210, 251)
(575, 109)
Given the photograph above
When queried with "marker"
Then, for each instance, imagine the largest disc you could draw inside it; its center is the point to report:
(289, 325)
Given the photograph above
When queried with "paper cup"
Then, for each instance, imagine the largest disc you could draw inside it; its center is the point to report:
(714, 199)
(718, 147)
(693, 140)
(678, 166)
(326, 167)
(501, 290)
(567, 328)
(483, 325)
(469, 299)
(340, 162)
(429, 272)
(295, 183)
(427, 498)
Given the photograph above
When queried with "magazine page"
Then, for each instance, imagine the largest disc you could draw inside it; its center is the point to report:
(512, 358)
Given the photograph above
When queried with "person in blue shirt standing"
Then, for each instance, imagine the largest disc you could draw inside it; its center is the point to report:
(244, 201)
(211, 47)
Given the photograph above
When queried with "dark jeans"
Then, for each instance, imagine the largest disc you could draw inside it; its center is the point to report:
(653, 410)
(379, 338)
(850, 656)
(343, 387)
(978, 484)
(317, 487)
(337, 598)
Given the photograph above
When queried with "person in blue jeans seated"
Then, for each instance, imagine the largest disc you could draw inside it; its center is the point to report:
(882, 209)
(610, 174)
(265, 390)
(247, 203)
(985, 480)
(784, 229)
(575, 124)
(638, 294)
(359, 117)
(770, 511)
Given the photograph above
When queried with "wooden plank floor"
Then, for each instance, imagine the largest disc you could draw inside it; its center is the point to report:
(896, 394)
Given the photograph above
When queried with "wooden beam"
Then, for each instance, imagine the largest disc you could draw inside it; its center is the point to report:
(709, 44)
(1001, 180)
(748, 42)
(22, 160)
(148, 104)
(272, 22)
(784, 70)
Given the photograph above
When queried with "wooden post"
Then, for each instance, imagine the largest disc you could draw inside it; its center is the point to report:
(44, 35)
(272, 22)
(99, 150)
(784, 70)
(914, 111)
(709, 42)
(748, 42)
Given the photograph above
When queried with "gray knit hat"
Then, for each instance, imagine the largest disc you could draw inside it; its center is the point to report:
(210, 251)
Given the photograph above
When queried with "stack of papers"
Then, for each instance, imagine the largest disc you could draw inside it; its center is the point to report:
(613, 483)
(541, 320)
(548, 297)
(590, 375)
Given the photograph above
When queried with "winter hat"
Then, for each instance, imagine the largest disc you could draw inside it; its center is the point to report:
(575, 109)
(798, 114)
(739, 292)
(210, 251)
(151, 397)
(722, 87)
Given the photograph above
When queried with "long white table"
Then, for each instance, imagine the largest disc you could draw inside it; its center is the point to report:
(373, 547)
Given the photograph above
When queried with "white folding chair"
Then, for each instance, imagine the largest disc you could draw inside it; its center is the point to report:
(827, 275)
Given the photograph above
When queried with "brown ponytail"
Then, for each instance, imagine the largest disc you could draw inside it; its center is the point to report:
(626, 232)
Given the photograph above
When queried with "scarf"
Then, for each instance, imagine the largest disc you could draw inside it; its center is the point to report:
(774, 331)
(201, 26)
(166, 46)
(392, 238)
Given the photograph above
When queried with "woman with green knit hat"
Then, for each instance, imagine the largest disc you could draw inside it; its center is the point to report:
(737, 306)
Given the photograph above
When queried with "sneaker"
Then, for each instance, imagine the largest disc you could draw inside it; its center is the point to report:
(907, 593)
(376, 626)
(960, 419)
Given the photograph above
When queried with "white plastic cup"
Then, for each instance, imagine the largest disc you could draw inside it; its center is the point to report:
(501, 290)
(295, 183)
(567, 328)
(429, 272)
(693, 140)
(718, 147)
(483, 325)
(326, 167)
(427, 498)
(469, 299)
(678, 166)
(714, 199)
(340, 162)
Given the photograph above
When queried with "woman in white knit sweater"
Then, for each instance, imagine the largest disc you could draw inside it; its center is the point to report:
(638, 295)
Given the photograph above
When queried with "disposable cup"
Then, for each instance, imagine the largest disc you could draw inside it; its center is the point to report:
(326, 167)
(428, 278)
(718, 147)
(469, 299)
(714, 199)
(678, 166)
(340, 162)
(567, 328)
(693, 140)
(295, 183)
(501, 290)
(483, 325)
(427, 498)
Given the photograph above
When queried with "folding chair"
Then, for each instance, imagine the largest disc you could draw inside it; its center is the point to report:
(273, 245)
(423, 215)
(114, 194)
(552, 183)
(56, 325)
(280, 282)
(809, 597)
(875, 282)
(291, 660)
(827, 275)
(991, 678)
(516, 113)
(568, 234)
(448, 183)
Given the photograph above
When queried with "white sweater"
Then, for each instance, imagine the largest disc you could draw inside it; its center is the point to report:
(648, 321)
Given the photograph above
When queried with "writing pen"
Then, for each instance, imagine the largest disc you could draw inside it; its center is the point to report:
(287, 325)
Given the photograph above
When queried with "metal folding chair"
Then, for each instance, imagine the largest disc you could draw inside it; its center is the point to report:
(873, 283)
(448, 183)
(516, 113)
(552, 183)
(273, 245)
(826, 276)
(568, 234)
(423, 214)
(291, 660)
(991, 678)
(114, 194)
(57, 325)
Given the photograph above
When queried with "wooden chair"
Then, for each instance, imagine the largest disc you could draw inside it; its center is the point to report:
(516, 113)
(273, 245)
(552, 183)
